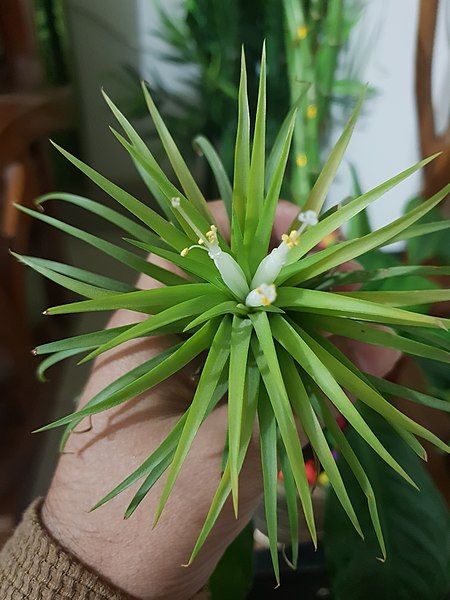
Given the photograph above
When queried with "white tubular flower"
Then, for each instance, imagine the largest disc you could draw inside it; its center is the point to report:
(263, 295)
(232, 274)
(270, 266)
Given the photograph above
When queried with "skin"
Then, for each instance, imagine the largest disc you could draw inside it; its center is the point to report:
(145, 562)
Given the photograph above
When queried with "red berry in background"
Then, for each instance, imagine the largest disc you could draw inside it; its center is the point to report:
(311, 473)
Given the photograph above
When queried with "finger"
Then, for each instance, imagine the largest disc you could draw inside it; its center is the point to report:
(374, 360)
(219, 212)
(285, 214)
(348, 267)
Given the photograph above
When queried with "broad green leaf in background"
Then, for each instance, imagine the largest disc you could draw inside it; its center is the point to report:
(233, 576)
(415, 526)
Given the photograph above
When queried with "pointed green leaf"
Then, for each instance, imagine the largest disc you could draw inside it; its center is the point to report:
(156, 470)
(372, 335)
(294, 343)
(371, 241)
(224, 487)
(146, 301)
(290, 492)
(268, 438)
(81, 342)
(53, 359)
(79, 287)
(223, 308)
(364, 276)
(255, 191)
(358, 471)
(188, 183)
(120, 254)
(173, 314)
(143, 149)
(368, 395)
(320, 190)
(400, 391)
(170, 191)
(279, 143)
(402, 298)
(327, 345)
(242, 154)
(328, 303)
(94, 279)
(266, 358)
(420, 230)
(152, 219)
(106, 213)
(265, 223)
(214, 363)
(241, 332)
(311, 426)
(170, 365)
(116, 385)
(343, 214)
(205, 271)
(220, 175)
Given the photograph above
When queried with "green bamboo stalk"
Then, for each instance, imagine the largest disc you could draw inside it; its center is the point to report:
(300, 69)
(333, 38)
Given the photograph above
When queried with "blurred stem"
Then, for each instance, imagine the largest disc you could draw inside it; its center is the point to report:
(333, 30)
(316, 13)
(300, 69)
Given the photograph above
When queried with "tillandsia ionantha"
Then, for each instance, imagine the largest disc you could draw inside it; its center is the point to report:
(259, 318)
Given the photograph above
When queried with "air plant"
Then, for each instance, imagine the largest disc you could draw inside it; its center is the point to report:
(259, 317)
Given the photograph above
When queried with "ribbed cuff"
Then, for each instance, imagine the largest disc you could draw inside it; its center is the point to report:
(35, 567)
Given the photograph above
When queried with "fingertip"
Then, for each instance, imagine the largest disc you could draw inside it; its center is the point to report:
(219, 212)
(285, 214)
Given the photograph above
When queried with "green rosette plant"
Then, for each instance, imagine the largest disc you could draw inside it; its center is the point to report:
(259, 317)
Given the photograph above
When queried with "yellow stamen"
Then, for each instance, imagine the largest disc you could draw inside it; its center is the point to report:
(211, 235)
(184, 252)
(311, 111)
(290, 240)
(301, 160)
(302, 32)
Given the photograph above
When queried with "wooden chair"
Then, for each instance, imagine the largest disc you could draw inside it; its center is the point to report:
(436, 173)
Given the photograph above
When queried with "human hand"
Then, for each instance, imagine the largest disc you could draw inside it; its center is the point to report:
(142, 561)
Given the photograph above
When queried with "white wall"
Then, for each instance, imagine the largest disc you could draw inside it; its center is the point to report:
(386, 138)
(104, 38)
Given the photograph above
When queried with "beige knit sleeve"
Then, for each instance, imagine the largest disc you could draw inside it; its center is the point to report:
(35, 567)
